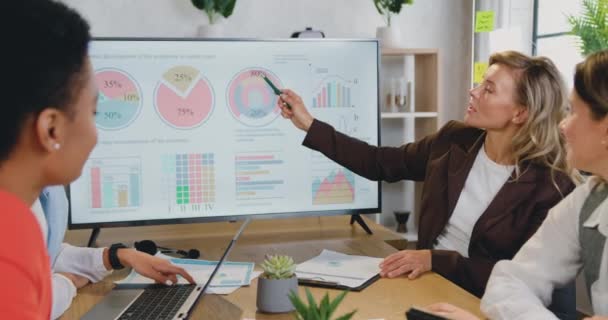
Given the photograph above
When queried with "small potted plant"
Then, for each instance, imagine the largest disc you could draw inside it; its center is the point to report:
(275, 284)
(389, 35)
(323, 311)
(214, 10)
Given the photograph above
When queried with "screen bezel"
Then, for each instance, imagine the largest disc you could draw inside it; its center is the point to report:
(134, 223)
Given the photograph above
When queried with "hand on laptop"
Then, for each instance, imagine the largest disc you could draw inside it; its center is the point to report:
(451, 312)
(414, 262)
(158, 269)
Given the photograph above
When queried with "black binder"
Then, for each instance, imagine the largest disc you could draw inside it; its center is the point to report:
(335, 285)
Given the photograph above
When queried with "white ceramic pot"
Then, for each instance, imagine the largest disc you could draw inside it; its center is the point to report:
(390, 37)
(215, 30)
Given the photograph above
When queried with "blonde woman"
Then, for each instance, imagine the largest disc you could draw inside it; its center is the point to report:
(573, 237)
(489, 181)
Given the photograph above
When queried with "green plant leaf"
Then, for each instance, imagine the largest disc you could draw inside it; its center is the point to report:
(278, 267)
(311, 299)
(324, 307)
(338, 300)
(379, 7)
(199, 4)
(225, 7)
(298, 304)
(347, 316)
(591, 27)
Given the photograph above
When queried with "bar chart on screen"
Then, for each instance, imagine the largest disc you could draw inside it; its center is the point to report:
(260, 178)
(333, 92)
(115, 183)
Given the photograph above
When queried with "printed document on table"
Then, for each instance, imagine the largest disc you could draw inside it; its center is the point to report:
(348, 270)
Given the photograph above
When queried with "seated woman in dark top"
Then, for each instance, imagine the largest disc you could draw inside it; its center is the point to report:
(489, 181)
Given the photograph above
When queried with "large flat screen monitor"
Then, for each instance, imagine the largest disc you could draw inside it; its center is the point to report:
(189, 131)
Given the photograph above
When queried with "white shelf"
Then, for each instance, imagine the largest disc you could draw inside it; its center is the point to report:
(403, 115)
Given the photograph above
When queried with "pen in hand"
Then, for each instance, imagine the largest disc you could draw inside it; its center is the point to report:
(275, 90)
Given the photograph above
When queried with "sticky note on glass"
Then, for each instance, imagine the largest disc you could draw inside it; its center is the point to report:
(484, 21)
(480, 71)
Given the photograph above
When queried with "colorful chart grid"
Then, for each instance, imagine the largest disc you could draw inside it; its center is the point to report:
(192, 177)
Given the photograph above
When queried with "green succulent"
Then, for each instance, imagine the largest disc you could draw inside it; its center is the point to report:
(323, 311)
(592, 26)
(278, 267)
(215, 8)
(389, 7)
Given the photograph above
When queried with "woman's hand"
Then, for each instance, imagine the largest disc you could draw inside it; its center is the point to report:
(414, 262)
(451, 312)
(298, 113)
(158, 269)
(596, 318)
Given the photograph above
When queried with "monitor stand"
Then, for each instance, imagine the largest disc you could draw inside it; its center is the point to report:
(357, 218)
(93, 238)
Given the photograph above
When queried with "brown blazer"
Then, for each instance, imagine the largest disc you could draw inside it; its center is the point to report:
(443, 161)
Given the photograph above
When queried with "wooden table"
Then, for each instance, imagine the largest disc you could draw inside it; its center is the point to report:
(301, 238)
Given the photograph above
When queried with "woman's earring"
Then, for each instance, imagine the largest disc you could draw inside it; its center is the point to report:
(56, 146)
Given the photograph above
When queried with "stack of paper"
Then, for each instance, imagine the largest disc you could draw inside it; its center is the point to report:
(231, 276)
(343, 269)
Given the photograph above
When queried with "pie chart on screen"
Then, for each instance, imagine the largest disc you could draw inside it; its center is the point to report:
(183, 98)
(251, 100)
(120, 99)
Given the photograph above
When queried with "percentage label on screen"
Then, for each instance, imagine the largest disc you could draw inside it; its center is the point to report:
(131, 97)
(180, 77)
(258, 73)
(112, 115)
(185, 112)
(112, 84)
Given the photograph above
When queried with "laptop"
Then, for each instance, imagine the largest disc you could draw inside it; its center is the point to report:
(155, 301)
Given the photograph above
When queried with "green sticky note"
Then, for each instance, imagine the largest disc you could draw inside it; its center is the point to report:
(480, 71)
(484, 21)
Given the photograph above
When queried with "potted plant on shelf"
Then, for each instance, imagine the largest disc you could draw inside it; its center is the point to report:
(275, 284)
(592, 26)
(323, 311)
(389, 35)
(215, 9)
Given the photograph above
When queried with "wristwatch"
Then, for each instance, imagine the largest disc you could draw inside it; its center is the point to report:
(113, 256)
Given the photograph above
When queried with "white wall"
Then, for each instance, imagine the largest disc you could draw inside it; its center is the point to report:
(444, 24)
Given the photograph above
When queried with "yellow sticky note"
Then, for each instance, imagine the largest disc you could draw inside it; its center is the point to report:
(484, 21)
(480, 71)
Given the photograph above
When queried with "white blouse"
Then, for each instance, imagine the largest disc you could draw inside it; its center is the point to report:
(522, 287)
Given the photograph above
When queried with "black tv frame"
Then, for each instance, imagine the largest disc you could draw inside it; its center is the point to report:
(355, 213)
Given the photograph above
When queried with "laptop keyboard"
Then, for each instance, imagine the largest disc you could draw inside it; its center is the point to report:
(158, 302)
